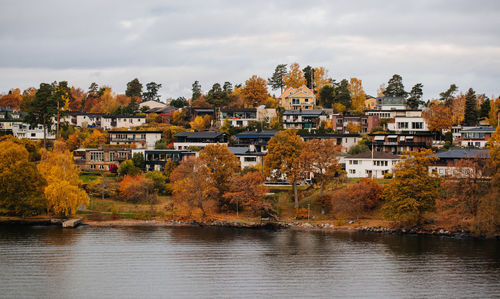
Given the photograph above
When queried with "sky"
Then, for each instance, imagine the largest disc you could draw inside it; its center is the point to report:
(174, 43)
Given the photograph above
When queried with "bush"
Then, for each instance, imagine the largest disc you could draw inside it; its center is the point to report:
(302, 213)
(388, 176)
(128, 168)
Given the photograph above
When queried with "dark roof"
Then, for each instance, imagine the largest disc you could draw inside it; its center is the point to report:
(202, 134)
(166, 109)
(239, 150)
(391, 100)
(461, 153)
(168, 151)
(202, 109)
(417, 133)
(136, 132)
(304, 112)
(260, 134)
(480, 129)
(323, 136)
(239, 110)
(376, 155)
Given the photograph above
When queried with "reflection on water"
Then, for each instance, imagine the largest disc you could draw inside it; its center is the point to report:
(222, 262)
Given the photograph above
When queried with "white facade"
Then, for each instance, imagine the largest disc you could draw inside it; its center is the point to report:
(363, 166)
(104, 121)
(187, 145)
(408, 124)
(243, 117)
(142, 139)
(23, 130)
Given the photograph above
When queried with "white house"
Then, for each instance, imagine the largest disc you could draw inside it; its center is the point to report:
(408, 124)
(248, 156)
(141, 139)
(101, 120)
(186, 140)
(24, 130)
(366, 164)
(241, 117)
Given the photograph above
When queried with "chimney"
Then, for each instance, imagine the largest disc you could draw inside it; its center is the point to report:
(251, 148)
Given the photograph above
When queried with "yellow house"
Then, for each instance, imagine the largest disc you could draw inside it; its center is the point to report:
(370, 103)
(297, 99)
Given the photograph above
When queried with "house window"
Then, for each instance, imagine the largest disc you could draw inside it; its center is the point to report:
(295, 101)
(239, 123)
(418, 125)
(250, 159)
(353, 162)
(352, 171)
(33, 134)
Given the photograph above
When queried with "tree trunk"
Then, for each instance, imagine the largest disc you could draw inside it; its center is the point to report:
(295, 195)
(45, 136)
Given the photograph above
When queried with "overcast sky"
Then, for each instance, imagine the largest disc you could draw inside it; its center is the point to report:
(177, 42)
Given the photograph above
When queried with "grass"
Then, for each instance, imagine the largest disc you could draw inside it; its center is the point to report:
(89, 177)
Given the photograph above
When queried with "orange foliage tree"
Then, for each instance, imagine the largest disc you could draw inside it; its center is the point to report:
(138, 189)
(12, 99)
(295, 77)
(248, 191)
(255, 91)
(438, 117)
(358, 95)
(322, 160)
(95, 140)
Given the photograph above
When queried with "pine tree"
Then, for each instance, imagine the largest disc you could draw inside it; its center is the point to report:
(485, 108)
(470, 108)
(134, 89)
(395, 87)
(415, 96)
(276, 81)
(196, 90)
(448, 95)
(151, 93)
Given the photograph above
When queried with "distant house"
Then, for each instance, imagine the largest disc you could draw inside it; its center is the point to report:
(141, 139)
(366, 123)
(248, 156)
(370, 103)
(197, 111)
(255, 140)
(156, 159)
(297, 99)
(476, 137)
(391, 103)
(185, 140)
(399, 143)
(24, 130)
(346, 141)
(387, 114)
(152, 104)
(303, 119)
(242, 117)
(367, 165)
(100, 159)
(447, 163)
(102, 120)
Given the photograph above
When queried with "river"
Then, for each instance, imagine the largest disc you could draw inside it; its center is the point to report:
(192, 262)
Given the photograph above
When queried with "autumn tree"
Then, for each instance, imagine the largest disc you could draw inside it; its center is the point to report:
(104, 186)
(447, 96)
(12, 99)
(295, 77)
(42, 108)
(360, 197)
(21, 184)
(412, 191)
(221, 165)
(95, 140)
(283, 159)
(276, 80)
(353, 128)
(437, 117)
(395, 87)
(27, 97)
(381, 89)
(198, 123)
(193, 189)
(127, 167)
(169, 167)
(494, 112)
(63, 192)
(358, 96)
(415, 96)
(320, 78)
(457, 107)
(255, 91)
(248, 191)
(139, 189)
(134, 89)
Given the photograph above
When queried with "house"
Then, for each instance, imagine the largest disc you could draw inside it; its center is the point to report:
(248, 156)
(303, 119)
(391, 103)
(476, 137)
(346, 141)
(24, 130)
(370, 165)
(297, 99)
(408, 124)
(141, 139)
(242, 117)
(101, 120)
(399, 143)
(152, 104)
(388, 114)
(370, 103)
(100, 159)
(9, 119)
(365, 123)
(257, 140)
(197, 111)
(156, 159)
(448, 160)
(186, 140)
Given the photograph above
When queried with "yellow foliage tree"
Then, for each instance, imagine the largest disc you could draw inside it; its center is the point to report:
(358, 95)
(458, 109)
(438, 117)
(494, 110)
(63, 193)
(198, 123)
(295, 77)
(95, 140)
(381, 90)
(353, 128)
(255, 91)
(320, 78)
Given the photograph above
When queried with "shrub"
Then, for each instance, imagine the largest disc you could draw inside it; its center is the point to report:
(388, 176)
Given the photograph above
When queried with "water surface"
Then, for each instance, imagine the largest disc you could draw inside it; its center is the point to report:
(188, 262)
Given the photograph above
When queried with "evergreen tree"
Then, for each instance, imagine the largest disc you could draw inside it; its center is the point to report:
(196, 90)
(470, 117)
(42, 109)
(485, 108)
(309, 75)
(139, 162)
(134, 89)
(179, 102)
(395, 87)
(227, 87)
(327, 96)
(276, 81)
(415, 96)
(151, 93)
(447, 96)
(342, 94)
(217, 96)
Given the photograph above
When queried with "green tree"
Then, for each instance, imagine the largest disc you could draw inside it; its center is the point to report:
(447, 96)
(217, 96)
(276, 80)
(159, 181)
(342, 95)
(485, 108)
(358, 149)
(395, 87)
(127, 167)
(196, 90)
(151, 93)
(227, 87)
(327, 96)
(413, 190)
(139, 161)
(179, 102)
(42, 109)
(470, 117)
(309, 75)
(415, 96)
(134, 89)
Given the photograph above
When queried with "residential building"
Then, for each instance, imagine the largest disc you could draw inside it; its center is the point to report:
(24, 130)
(387, 114)
(370, 103)
(297, 99)
(399, 143)
(242, 117)
(198, 111)
(408, 124)
(303, 119)
(370, 165)
(448, 160)
(152, 104)
(391, 103)
(257, 140)
(100, 159)
(248, 156)
(476, 137)
(365, 123)
(102, 120)
(9, 119)
(186, 140)
(141, 139)
(346, 141)
(156, 159)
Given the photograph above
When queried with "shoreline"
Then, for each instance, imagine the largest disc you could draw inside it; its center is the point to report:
(297, 226)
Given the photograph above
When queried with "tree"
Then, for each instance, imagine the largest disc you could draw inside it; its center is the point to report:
(327, 96)
(447, 96)
(309, 76)
(381, 90)
(412, 191)
(137, 189)
(12, 99)
(276, 80)
(362, 196)
(415, 96)
(134, 89)
(21, 184)
(438, 117)
(320, 78)
(139, 162)
(342, 95)
(179, 102)
(27, 97)
(193, 189)
(63, 192)
(295, 77)
(127, 167)
(169, 167)
(248, 191)
(485, 108)
(159, 180)
(358, 149)
(196, 88)
(358, 96)
(493, 114)
(282, 159)
(221, 165)
(217, 96)
(199, 123)
(227, 87)
(457, 109)
(96, 140)
(151, 93)
(395, 87)
(42, 108)
(353, 128)
(470, 114)
(255, 91)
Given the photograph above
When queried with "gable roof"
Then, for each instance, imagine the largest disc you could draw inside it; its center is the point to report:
(301, 91)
